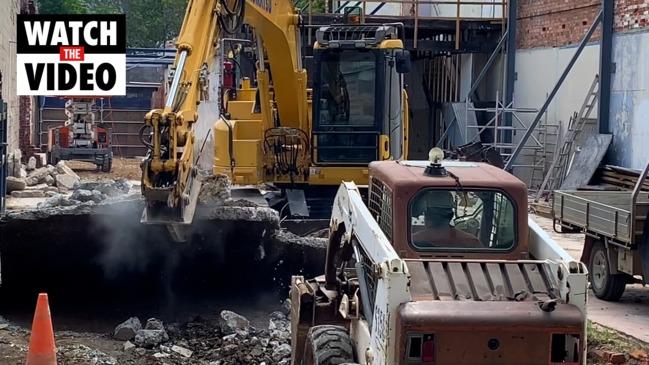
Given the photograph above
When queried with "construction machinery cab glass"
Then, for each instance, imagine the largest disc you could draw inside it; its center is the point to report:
(402, 59)
(453, 219)
(358, 106)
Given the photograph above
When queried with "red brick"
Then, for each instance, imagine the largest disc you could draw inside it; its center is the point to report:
(555, 23)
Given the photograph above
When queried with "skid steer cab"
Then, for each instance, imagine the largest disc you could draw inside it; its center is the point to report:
(441, 265)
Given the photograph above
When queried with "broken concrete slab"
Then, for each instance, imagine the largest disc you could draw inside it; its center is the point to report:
(28, 194)
(37, 176)
(87, 195)
(150, 338)
(126, 330)
(49, 180)
(215, 190)
(128, 345)
(64, 169)
(36, 187)
(240, 213)
(154, 324)
(110, 188)
(187, 353)
(66, 181)
(15, 184)
(57, 200)
(281, 352)
(231, 322)
(31, 164)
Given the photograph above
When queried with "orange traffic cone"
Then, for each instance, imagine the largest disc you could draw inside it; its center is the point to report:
(42, 350)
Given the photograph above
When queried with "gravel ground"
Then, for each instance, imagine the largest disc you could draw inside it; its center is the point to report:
(201, 340)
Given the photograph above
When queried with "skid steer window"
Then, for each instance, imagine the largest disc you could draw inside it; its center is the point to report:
(462, 220)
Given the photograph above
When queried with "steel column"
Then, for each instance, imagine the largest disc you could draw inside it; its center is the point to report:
(486, 68)
(510, 71)
(4, 166)
(554, 91)
(605, 66)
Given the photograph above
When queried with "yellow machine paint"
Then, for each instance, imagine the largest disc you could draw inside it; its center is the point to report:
(239, 139)
(267, 133)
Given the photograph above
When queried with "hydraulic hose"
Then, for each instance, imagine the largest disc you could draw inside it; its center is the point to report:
(232, 20)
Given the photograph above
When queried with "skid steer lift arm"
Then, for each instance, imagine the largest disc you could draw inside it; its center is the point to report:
(353, 223)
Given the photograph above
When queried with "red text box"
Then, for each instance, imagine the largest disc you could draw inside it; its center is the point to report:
(71, 54)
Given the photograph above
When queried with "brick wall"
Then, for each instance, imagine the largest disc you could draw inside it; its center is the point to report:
(26, 125)
(555, 23)
(631, 14)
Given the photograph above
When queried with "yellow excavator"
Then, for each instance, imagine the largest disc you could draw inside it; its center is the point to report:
(273, 129)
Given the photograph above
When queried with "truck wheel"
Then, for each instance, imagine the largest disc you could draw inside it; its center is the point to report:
(605, 285)
(328, 345)
(107, 165)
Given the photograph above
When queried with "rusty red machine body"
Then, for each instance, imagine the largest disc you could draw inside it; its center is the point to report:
(81, 138)
(441, 265)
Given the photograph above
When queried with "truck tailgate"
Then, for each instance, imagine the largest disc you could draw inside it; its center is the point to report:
(602, 212)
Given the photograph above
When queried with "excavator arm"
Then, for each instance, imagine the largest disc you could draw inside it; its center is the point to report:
(170, 181)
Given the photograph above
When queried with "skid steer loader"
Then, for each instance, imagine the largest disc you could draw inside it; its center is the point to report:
(441, 265)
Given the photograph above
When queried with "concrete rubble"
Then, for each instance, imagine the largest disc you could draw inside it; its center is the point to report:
(60, 177)
(152, 334)
(126, 330)
(15, 184)
(231, 322)
(48, 180)
(78, 354)
(199, 341)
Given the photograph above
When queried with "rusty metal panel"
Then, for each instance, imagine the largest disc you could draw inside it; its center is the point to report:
(463, 280)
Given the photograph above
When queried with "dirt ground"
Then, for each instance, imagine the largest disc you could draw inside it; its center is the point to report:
(77, 348)
(127, 168)
(603, 343)
(201, 335)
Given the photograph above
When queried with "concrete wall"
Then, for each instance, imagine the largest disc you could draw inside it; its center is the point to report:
(8, 67)
(539, 69)
(629, 115)
(537, 72)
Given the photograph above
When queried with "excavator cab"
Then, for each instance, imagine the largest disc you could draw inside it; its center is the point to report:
(358, 101)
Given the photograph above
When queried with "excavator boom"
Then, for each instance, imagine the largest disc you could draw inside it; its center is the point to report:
(269, 131)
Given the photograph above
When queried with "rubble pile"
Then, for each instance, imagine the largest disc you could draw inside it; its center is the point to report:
(32, 182)
(28, 181)
(226, 340)
(215, 190)
(88, 193)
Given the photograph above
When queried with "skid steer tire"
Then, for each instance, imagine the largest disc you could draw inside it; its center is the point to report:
(606, 286)
(328, 345)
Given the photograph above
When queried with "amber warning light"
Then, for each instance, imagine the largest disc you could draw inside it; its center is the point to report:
(71, 54)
